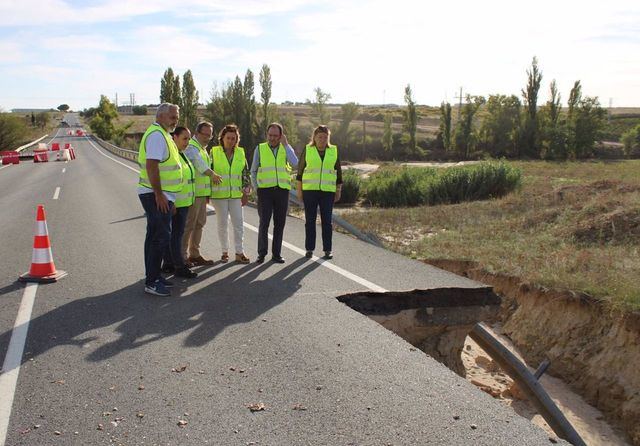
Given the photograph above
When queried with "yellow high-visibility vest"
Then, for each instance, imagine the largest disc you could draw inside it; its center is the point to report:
(231, 185)
(273, 170)
(202, 181)
(186, 196)
(170, 168)
(320, 173)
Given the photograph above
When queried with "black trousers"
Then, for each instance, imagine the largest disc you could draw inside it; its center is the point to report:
(312, 200)
(272, 201)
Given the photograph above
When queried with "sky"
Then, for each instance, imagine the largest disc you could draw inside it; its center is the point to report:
(70, 51)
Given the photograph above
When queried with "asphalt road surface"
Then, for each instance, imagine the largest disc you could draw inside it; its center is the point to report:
(104, 363)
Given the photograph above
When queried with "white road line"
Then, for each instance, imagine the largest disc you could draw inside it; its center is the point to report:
(5, 166)
(56, 193)
(13, 359)
(343, 272)
(64, 170)
(112, 159)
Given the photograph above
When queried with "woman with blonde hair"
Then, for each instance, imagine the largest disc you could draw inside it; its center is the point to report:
(230, 162)
(319, 185)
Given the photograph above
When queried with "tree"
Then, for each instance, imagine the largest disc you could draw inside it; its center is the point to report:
(499, 129)
(445, 125)
(237, 102)
(63, 107)
(387, 133)
(214, 112)
(529, 131)
(343, 133)
(189, 108)
(631, 140)
(42, 119)
(265, 95)
(102, 122)
(585, 126)
(553, 132)
(465, 137)
(410, 120)
(248, 126)
(33, 120)
(139, 110)
(318, 106)
(177, 97)
(166, 86)
(290, 124)
(12, 131)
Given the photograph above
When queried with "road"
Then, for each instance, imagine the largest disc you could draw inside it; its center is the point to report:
(104, 363)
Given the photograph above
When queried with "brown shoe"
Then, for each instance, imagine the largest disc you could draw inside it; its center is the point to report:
(225, 257)
(200, 261)
(241, 258)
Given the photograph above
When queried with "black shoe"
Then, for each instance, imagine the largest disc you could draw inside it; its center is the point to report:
(165, 282)
(328, 255)
(277, 259)
(186, 272)
(309, 254)
(167, 268)
(260, 259)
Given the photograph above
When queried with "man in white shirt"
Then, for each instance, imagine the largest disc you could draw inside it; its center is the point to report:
(158, 204)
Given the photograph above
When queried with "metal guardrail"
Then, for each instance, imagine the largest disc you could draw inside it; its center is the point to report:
(32, 143)
(133, 156)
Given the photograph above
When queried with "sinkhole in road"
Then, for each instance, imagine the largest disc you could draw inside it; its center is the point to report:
(436, 321)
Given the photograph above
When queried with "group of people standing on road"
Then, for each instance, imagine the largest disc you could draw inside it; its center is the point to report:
(178, 177)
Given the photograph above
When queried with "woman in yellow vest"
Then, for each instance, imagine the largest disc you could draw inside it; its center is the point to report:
(319, 185)
(173, 257)
(229, 161)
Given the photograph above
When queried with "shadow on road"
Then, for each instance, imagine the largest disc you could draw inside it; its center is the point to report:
(141, 319)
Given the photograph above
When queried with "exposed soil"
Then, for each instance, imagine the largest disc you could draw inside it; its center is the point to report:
(594, 350)
(484, 373)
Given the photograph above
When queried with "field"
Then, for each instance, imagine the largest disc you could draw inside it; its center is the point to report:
(573, 225)
(622, 119)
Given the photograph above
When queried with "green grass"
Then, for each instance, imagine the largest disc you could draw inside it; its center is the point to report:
(393, 187)
(573, 225)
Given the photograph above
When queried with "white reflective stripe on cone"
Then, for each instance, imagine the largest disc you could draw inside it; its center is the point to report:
(41, 228)
(41, 255)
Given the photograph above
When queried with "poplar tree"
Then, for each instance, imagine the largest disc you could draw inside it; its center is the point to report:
(410, 119)
(445, 125)
(189, 108)
(265, 94)
(166, 86)
(248, 125)
(529, 132)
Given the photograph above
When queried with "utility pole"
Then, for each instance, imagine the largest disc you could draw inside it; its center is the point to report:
(116, 100)
(459, 104)
(610, 110)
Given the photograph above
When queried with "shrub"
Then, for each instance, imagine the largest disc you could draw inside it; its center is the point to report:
(398, 187)
(12, 131)
(431, 186)
(351, 184)
(139, 110)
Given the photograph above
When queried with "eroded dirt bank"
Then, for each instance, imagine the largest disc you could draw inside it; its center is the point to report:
(595, 351)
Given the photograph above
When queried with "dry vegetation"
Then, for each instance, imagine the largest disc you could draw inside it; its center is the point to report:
(573, 225)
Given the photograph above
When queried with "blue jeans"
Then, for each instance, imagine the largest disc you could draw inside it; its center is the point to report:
(173, 254)
(157, 238)
(312, 200)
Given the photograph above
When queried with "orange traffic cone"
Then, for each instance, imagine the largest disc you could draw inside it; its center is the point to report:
(42, 268)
